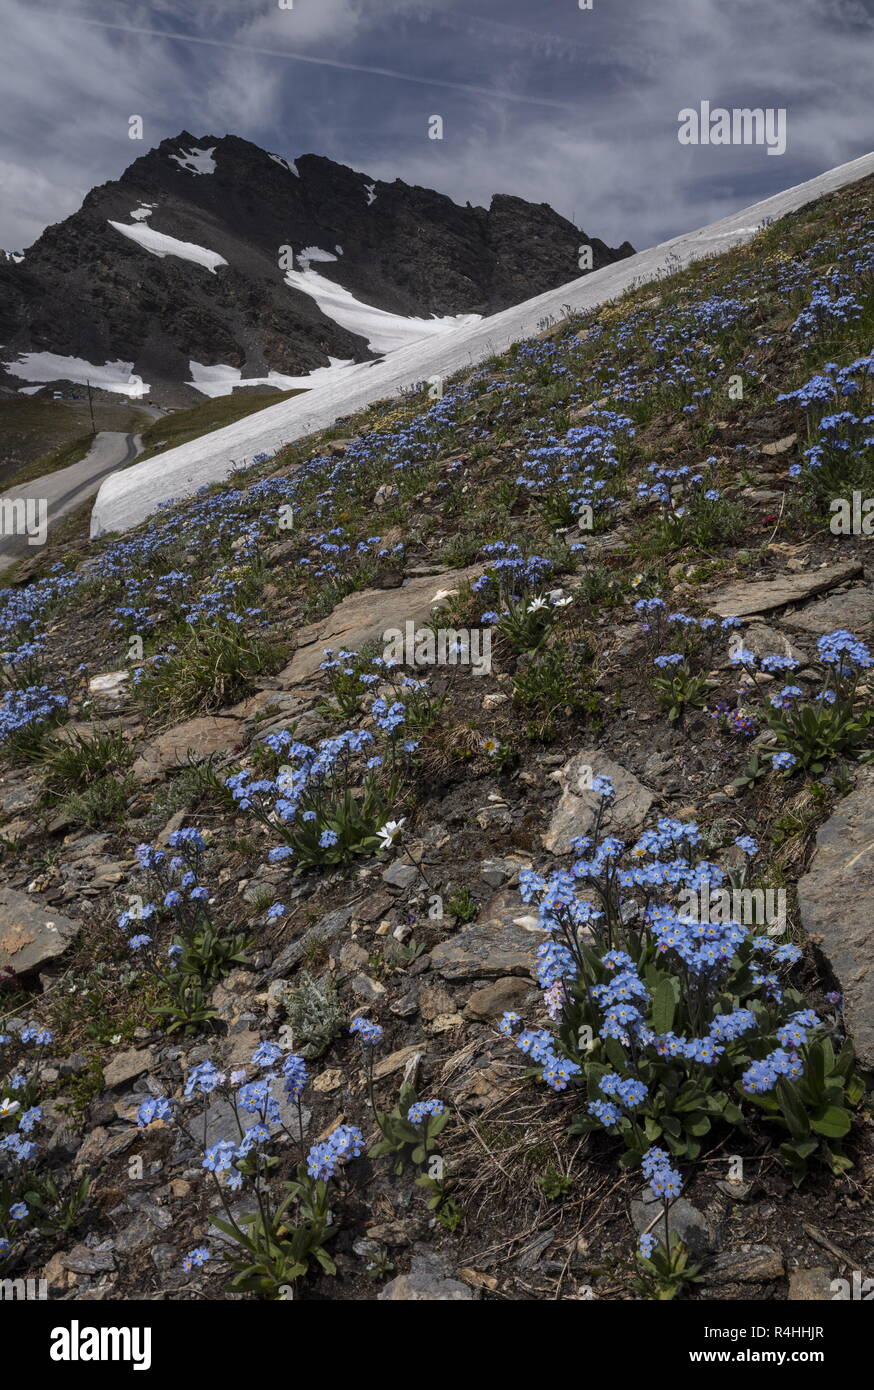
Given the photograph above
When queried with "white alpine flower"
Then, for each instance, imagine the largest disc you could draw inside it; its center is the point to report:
(389, 832)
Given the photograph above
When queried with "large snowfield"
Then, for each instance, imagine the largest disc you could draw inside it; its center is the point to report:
(128, 497)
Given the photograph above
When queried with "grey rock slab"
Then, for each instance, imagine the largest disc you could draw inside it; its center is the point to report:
(363, 617)
(427, 1282)
(100, 1145)
(810, 1285)
(221, 1122)
(325, 931)
(779, 446)
(287, 703)
(492, 947)
(747, 1264)
(367, 990)
(508, 993)
(743, 599)
(139, 1232)
(246, 1206)
(405, 1058)
(495, 872)
(689, 1223)
(31, 935)
(18, 796)
(836, 902)
(407, 1006)
(853, 610)
(534, 1251)
(769, 641)
(110, 685)
(83, 1260)
(200, 737)
(127, 1065)
(577, 808)
(400, 875)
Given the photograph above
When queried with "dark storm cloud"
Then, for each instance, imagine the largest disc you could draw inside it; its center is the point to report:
(573, 107)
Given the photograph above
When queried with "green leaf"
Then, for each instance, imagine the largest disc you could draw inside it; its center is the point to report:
(325, 1261)
(793, 1110)
(816, 1071)
(834, 1123)
(664, 1004)
(855, 1090)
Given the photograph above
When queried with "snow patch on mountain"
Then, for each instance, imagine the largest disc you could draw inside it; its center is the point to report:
(44, 367)
(196, 161)
(313, 253)
(221, 379)
(384, 331)
(159, 244)
(288, 164)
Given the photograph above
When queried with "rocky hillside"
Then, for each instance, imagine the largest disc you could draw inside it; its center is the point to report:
(462, 824)
(212, 251)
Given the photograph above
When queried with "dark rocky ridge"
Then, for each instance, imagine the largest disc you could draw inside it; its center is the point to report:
(85, 290)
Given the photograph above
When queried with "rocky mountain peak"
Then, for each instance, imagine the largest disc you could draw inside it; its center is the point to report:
(186, 257)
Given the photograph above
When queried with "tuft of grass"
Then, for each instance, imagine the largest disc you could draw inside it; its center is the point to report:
(85, 777)
(198, 787)
(102, 803)
(75, 762)
(210, 667)
(462, 905)
(559, 678)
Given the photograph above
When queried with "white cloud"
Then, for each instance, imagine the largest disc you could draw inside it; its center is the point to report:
(37, 200)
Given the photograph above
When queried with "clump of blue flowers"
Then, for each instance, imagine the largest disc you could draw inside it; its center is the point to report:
(289, 1224)
(330, 803)
(200, 952)
(671, 1024)
(812, 726)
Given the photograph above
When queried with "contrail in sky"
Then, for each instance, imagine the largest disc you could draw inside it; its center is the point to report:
(325, 63)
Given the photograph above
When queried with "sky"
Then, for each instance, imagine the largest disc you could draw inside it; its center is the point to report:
(540, 98)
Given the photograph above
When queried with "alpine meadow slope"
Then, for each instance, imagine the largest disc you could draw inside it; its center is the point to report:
(127, 498)
(436, 859)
